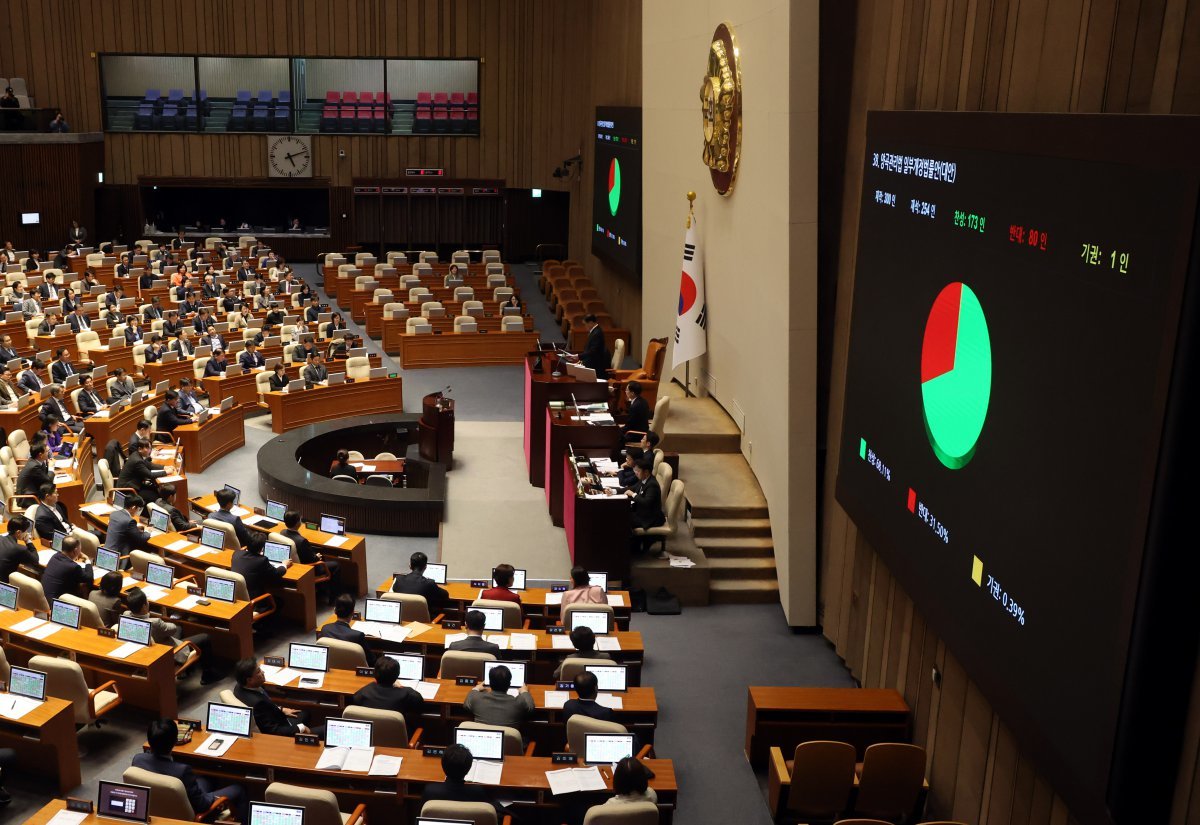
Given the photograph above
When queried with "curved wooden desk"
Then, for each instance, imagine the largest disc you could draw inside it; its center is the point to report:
(462, 349)
(291, 410)
(218, 436)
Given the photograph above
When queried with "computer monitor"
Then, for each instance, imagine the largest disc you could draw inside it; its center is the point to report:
(263, 813)
(28, 683)
(8, 595)
(412, 666)
(118, 501)
(493, 617)
(107, 560)
(607, 748)
(333, 524)
(483, 744)
(598, 580)
(64, 614)
(382, 610)
(296, 385)
(276, 510)
(277, 552)
(159, 520)
(516, 668)
(518, 579)
(436, 573)
(212, 537)
(220, 589)
(161, 574)
(347, 733)
(161, 387)
(308, 657)
(128, 803)
(57, 540)
(231, 719)
(595, 619)
(610, 677)
(237, 494)
(130, 629)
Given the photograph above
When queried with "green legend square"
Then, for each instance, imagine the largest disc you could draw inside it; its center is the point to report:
(862, 449)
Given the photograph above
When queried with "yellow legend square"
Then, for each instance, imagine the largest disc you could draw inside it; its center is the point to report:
(977, 571)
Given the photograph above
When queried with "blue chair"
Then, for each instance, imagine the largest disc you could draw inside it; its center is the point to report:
(175, 96)
(281, 119)
(258, 118)
(190, 120)
(242, 98)
(170, 115)
(144, 119)
(237, 119)
(152, 95)
(284, 98)
(264, 96)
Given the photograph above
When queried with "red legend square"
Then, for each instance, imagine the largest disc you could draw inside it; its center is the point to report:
(912, 500)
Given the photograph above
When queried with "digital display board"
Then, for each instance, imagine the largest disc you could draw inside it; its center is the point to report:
(1018, 295)
(617, 188)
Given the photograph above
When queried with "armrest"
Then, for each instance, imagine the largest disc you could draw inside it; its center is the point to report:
(359, 815)
(525, 625)
(415, 741)
(195, 528)
(218, 806)
(438, 618)
(264, 598)
(96, 691)
(647, 752)
(778, 779)
(507, 820)
(321, 571)
(530, 748)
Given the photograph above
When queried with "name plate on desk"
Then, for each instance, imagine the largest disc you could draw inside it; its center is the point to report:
(567, 685)
(79, 806)
(555, 629)
(106, 633)
(470, 681)
(484, 583)
(564, 758)
(364, 671)
(274, 661)
(434, 750)
(558, 588)
(194, 591)
(307, 739)
(451, 624)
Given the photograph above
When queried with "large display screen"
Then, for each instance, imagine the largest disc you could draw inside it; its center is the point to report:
(617, 188)
(1017, 298)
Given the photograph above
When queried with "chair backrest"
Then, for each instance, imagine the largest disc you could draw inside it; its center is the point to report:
(139, 561)
(892, 774)
(418, 326)
(662, 411)
(19, 443)
(633, 813)
(358, 367)
(663, 474)
(89, 613)
(511, 323)
(822, 779)
(31, 595)
(320, 807)
(64, 680)
(477, 813)
(464, 293)
(656, 353)
(513, 617)
(433, 309)
(262, 382)
(168, 797)
(491, 256)
(514, 745)
(344, 655)
(106, 476)
(618, 354)
(228, 697)
(465, 323)
(415, 609)
(673, 509)
(4, 667)
(572, 666)
(579, 725)
(457, 663)
(395, 309)
(198, 366)
(240, 591)
(418, 294)
(231, 539)
(502, 293)
(389, 731)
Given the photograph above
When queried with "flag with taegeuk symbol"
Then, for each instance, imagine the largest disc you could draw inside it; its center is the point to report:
(691, 324)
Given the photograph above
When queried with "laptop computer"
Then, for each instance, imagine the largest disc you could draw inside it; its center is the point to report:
(493, 617)
(517, 669)
(435, 573)
(610, 678)
(64, 614)
(212, 537)
(128, 803)
(596, 620)
(333, 524)
(237, 494)
(264, 813)
(160, 522)
(28, 683)
(162, 575)
(8, 596)
(483, 744)
(518, 579)
(107, 560)
(412, 666)
(607, 748)
(348, 733)
(118, 500)
(308, 657)
(56, 540)
(382, 610)
(130, 629)
(223, 590)
(277, 552)
(295, 386)
(598, 580)
(336, 378)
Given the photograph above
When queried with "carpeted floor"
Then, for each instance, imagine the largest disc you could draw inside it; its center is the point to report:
(700, 663)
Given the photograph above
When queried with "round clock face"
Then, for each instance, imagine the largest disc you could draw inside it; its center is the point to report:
(290, 157)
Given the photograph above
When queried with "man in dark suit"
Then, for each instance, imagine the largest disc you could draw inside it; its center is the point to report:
(216, 364)
(172, 324)
(315, 372)
(179, 521)
(251, 358)
(31, 378)
(383, 694)
(16, 548)
(270, 718)
(50, 516)
(416, 583)
(189, 403)
(638, 421)
(36, 471)
(161, 736)
(224, 512)
(256, 569)
(645, 501)
(54, 406)
(170, 416)
(7, 351)
(79, 320)
(203, 322)
(61, 368)
(586, 687)
(343, 610)
(139, 472)
(124, 534)
(153, 312)
(456, 764)
(307, 552)
(595, 354)
(88, 400)
(67, 571)
(475, 643)
(48, 291)
(182, 345)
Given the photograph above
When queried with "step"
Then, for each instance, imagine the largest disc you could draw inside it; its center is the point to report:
(737, 548)
(729, 527)
(742, 569)
(699, 443)
(738, 591)
(711, 511)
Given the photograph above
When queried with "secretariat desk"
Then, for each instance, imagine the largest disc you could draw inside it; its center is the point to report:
(204, 443)
(296, 409)
(542, 387)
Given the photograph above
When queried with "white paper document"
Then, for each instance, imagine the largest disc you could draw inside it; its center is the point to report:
(336, 541)
(608, 643)
(279, 675)
(44, 556)
(485, 772)
(610, 483)
(187, 602)
(346, 759)
(97, 508)
(239, 511)
(394, 632)
(428, 690)
(384, 765)
(523, 641)
(451, 638)
(67, 818)
(170, 479)
(616, 601)
(197, 552)
(575, 780)
(555, 698)
(62, 463)
(499, 641)
(125, 651)
(14, 707)
(554, 598)
(180, 544)
(48, 629)
(62, 478)
(562, 642)
(610, 701)
(216, 745)
(153, 591)
(26, 625)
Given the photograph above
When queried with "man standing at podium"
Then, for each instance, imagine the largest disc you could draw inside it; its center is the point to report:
(594, 355)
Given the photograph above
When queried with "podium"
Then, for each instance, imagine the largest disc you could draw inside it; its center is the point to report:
(436, 429)
(542, 387)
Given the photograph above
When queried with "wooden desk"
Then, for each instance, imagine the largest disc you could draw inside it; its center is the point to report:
(120, 426)
(45, 741)
(242, 388)
(72, 494)
(784, 717)
(291, 410)
(54, 342)
(218, 436)
(113, 358)
(540, 389)
(26, 419)
(597, 529)
(146, 679)
(391, 330)
(533, 600)
(170, 371)
(351, 556)
(465, 349)
(563, 429)
(55, 805)
(229, 625)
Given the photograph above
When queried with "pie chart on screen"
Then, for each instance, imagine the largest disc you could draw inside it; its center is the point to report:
(614, 186)
(956, 374)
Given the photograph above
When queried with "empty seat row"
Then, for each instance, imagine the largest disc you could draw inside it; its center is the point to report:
(369, 99)
(353, 118)
(259, 117)
(440, 120)
(169, 116)
(264, 97)
(448, 99)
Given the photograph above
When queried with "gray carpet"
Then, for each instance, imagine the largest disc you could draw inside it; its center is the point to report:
(700, 663)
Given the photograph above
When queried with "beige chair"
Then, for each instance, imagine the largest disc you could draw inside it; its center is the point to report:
(358, 368)
(87, 341)
(890, 781)
(139, 357)
(464, 293)
(460, 256)
(419, 294)
(231, 539)
(513, 615)
(815, 784)
(168, 796)
(415, 609)
(512, 323)
(502, 293)
(30, 595)
(457, 663)
(64, 680)
(107, 483)
(408, 281)
(389, 730)
(394, 309)
(662, 411)
(261, 607)
(673, 509)
(418, 326)
(384, 456)
(618, 355)
(432, 309)
(588, 608)
(465, 324)
(89, 613)
(579, 726)
(491, 256)
(663, 474)
(4, 667)
(394, 258)
(429, 258)
(262, 385)
(572, 666)
(495, 279)
(633, 813)
(139, 561)
(198, 366)
(475, 813)
(344, 655)
(514, 744)
(473, 308)
(229, 698)
(19, 444)
(320, 807)
(382, 295)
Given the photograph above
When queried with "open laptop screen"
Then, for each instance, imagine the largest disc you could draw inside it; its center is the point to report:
(130, 803)
(161, 574)
(308, 657)
(483, 744)
(212, 537)
(333, 524)
(107, 560)
(412, 666)
(518, 579)
(277, 552)
(607, 748)
(382, 610)
(237, 494)
(596, 620)
(276, 510)
(598, 580)
(517, 669)
(493, 617)
(231, 719)
(347, 733)
(159, 520)
(610, 677)
(263, 813)
(216, 587)
(25, 682)
(436, 573)
(130, 629)
(8, 595)
(64, 614)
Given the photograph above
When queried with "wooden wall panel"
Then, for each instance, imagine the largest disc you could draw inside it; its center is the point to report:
(977, 55)
(56, 179)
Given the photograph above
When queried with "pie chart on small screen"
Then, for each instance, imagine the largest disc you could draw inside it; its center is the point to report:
(956, 374)
(614, 186)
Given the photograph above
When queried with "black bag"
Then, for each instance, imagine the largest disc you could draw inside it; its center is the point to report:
(637, 600)
(663, 603)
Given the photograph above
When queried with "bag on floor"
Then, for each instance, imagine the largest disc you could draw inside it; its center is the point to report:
(663, 603)
(637, 600)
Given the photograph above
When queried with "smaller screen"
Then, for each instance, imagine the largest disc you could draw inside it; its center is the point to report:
(118, 801)
(276, 510)
(517, 669)
(598, 580)
(308, 657)
(237, 494)
(263, 814)
(118, 500)
(333, 524)
(161, 574)
(609, 677)
(277, 552)
(229, 719)
(130, 629)
(483, 744)
(159, 520)
(412, 666)
(212, 537)
(347, 733)
(64, 614)
(25, 682)
(493, 617)
(436, 573)
(8, 596)
(218, 588)
(596, 620)
(57, 540)
(382, 610)
(518, 580)
(31, 218)
(107, 560)
(607, 748)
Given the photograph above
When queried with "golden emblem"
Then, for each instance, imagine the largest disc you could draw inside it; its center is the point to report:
(721, 109)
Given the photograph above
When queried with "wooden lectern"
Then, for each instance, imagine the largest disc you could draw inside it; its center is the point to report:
(436, 429)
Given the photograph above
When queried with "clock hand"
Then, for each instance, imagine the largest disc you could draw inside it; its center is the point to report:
(289, 158)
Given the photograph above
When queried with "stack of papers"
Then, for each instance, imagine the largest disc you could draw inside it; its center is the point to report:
(608, 643)
(555, 698)
(610, 483)
(62, 463)
(336, 541)
(599, 418)
(416, 628)
(606, 465)
(450, 639)
(554, 598)
(499, 641)
(170, 479)
(178, 545)
(26, 625)
(62, 478)
(279, 675)
(384, 630)
(384, 765)
(198, 551)
(610, 701)
(484, 772)
(239, 511)
(153, 591)
(616, 601)
(186, 603)
(46, 630)
(65, 817)
(14, 707)
(523, 641)
(575, 780)
(680, 561)
(562, 642)
(346, 759)
(428, 690)
(97, 508)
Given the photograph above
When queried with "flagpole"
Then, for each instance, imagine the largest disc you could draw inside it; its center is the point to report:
(687, 365)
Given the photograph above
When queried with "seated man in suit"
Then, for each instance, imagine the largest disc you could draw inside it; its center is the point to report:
(79, 320)
(216, 365)
(315, 372)
(456, 764)
(67, 571)
(122, 385)
(50, 517)
(189, 401)
(17, 548)
(270, 718)
(638, 421)
(586, 686)
(190, 305)
(172, 324)
(182, 345)
(54, 406)
(212, 339)
(475, 643)
(307, 552)
(61, 367)
(646, 504)
(7, 351)
(88, 399)
(224, 512)
(52, 320)
(343, 610)
(31, 377)
(9, 391)
(302, 350)
(153, 312)
(201, 791)
(492, 705)
(627, 474)
(168, 633)
(48, 291)
(123, 269)
(204, 321)
(166, 501)
(139, 472)
(583, 639)
(36, 471)
(415, 582)
(384, 694)
(154, 353)
(251, 358)
(112, 300)
(170, 415)
(260, 575)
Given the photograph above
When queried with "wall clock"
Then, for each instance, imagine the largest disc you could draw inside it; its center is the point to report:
(290, 156)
